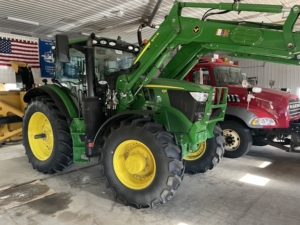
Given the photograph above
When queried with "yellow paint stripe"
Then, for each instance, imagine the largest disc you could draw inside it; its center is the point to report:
(162, 86)
(145, 48)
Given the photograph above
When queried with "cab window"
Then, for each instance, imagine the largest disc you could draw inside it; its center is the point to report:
(205, 73)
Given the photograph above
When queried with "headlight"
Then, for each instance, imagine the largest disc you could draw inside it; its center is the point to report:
(199, 96)
(103, 42)
(263, 122)
(112, 43)
(130, 47)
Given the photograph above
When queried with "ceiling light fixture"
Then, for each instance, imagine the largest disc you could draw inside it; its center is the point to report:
(23, 21)
(20, 33)
(66, 27)
(118, 13)
(85, 34)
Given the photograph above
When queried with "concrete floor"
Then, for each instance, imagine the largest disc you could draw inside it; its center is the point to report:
(221, 196)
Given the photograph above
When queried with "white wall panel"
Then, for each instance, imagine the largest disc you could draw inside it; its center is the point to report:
(284, 75)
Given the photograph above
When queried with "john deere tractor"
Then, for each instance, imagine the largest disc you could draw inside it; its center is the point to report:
(105, 102)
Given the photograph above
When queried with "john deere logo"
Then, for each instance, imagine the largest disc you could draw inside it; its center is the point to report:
(196, 29)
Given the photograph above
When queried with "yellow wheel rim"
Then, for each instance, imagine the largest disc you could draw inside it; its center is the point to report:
(134, 164)
(196, 154)
(40, 136)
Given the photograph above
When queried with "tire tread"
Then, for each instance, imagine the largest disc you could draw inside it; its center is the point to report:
(65, 152)
(172, 151)
(192, 167)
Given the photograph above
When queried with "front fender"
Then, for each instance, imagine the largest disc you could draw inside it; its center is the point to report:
(61, 97)
(115, 120)
(247, 115)
(176, 122)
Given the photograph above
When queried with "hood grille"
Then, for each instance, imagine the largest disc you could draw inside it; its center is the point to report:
(233, 98)
(184, 102)
(294, 107)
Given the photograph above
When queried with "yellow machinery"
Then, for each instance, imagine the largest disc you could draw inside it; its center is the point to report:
(12, 105)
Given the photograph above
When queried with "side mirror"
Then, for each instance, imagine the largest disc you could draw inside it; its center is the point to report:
(62, 48)
(253, 80)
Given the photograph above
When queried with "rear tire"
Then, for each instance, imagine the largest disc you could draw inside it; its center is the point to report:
(145, 185)
(238, 139)
(210, 158)
(52, 152)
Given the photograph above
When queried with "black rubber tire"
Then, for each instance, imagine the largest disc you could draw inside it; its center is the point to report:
(245, 138)
(212, 156)
(167, 155)
(62, 153)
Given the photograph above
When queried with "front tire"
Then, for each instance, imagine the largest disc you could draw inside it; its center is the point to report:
(141, 163)
(208, 155)
(46, 136)
(238, 139)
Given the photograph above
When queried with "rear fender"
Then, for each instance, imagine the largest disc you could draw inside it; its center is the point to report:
(61, 96)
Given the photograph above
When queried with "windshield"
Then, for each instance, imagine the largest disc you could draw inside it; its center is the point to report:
(111, 60)
(106, 61)
(225, 75)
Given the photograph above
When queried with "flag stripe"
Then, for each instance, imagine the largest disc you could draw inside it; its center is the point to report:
(24, 49)
(15, 58)
(23, 43)
(25, 46)
(21, 53)
(24, 52)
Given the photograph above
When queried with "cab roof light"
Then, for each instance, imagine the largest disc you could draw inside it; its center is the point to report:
(103, 42)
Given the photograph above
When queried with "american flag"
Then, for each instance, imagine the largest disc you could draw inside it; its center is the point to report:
(20, 51)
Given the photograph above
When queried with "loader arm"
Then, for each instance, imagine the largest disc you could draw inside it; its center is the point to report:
(269, 42)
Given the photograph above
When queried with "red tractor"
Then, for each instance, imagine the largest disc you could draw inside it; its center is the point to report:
(254, 115)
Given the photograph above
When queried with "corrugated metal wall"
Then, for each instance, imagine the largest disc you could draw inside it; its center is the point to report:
(285, 76)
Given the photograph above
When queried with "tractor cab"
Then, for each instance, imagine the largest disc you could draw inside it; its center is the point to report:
(110, 58)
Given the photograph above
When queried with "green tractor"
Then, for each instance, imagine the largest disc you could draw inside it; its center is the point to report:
(141, 133)
(105, 102)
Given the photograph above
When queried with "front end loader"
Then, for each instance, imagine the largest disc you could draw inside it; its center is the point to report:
(105, 102)
(12, 106)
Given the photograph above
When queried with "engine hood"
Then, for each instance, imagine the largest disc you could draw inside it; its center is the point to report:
(178, 84)
(267, 93)
(280, 105)
(270, 94)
